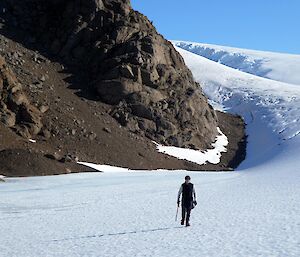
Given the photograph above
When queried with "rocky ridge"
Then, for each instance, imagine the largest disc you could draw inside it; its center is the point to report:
(100, 84)
(130, 66)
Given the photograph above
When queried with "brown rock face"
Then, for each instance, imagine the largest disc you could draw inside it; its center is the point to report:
(15, 109)
(130, 66)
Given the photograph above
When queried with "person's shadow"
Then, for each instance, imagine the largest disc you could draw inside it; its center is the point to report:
(118, 233)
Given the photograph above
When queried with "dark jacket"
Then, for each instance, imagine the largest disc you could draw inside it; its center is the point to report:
(188, 194)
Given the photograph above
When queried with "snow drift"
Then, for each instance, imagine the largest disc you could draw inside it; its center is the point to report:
(275, 66)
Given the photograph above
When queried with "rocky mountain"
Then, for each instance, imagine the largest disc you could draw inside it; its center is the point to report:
(116, 59)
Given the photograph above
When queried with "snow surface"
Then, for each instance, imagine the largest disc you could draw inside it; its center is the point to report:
(200, 157)
(104, 168)
(277, 66)
(271, 109)
(251, 212)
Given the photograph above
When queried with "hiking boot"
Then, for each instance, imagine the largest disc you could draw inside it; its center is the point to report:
(187, 224)
(182, 222)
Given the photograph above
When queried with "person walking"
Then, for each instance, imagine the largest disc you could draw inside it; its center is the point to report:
(188, 200)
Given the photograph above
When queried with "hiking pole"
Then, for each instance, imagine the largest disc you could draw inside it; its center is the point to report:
(176, 213)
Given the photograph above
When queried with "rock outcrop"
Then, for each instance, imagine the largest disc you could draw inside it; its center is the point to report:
(15, 109)
(130, 66)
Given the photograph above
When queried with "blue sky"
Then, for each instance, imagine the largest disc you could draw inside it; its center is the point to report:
(272, 25)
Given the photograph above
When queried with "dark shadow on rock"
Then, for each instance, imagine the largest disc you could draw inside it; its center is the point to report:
(76, 77)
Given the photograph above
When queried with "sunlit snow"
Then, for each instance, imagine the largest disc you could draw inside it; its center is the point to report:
(200, 157)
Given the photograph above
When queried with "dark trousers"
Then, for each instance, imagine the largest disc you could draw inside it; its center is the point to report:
(186, 213)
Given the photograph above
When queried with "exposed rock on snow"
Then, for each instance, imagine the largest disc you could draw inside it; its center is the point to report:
(212, 156)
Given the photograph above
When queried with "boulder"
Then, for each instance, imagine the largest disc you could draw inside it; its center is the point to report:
(8, 118)
(15, 109)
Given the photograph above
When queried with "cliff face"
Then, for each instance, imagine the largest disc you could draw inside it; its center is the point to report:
(129, 65)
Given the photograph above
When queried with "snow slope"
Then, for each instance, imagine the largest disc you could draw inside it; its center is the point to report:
(252, 212)
(271, 109)
(276, 66)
